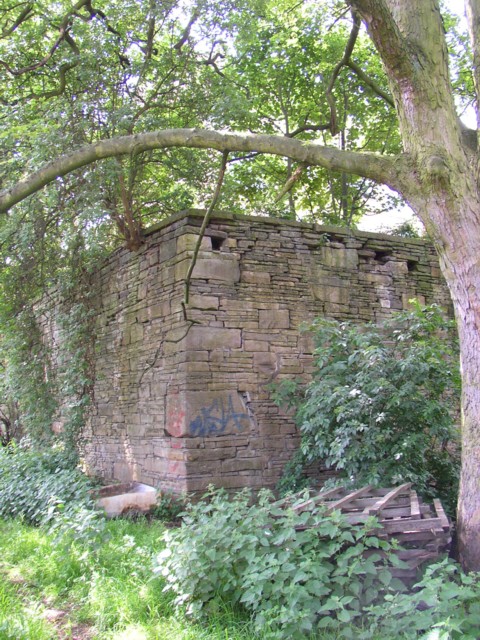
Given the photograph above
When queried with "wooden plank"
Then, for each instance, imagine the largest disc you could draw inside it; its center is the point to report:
(289, 501)
(413, 554)
(423, 538)
(406, 525)
(441, 514)
(339, 504)
(391, 495)
(394, 512)
(389, 513)
(318, 499)
(414, 506)
(361, 503)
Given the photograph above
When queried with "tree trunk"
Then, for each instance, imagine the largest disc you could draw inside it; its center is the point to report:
(457, 239)
(443, 190)
(468, 511)
(460, 262)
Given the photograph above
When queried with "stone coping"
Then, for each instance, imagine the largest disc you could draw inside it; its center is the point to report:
(221, 214)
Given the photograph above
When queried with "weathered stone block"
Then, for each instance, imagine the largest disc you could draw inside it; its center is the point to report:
(204, 302)
(223, 268)
(339, 257)
(274, 319)
(242, 464)
(188, 242)
(255, 345)
(378, 279)
(167, 250)
(265, 362)
(396, 267)
(256, 277)
(338, 295)
(200, 338)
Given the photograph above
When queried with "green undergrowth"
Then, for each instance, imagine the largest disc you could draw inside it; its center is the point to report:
(110, 590)
(19, 615)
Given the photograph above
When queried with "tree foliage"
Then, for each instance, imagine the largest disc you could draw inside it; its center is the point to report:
(99, 70)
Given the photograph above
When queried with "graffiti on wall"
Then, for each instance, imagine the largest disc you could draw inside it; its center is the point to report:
(217, 418)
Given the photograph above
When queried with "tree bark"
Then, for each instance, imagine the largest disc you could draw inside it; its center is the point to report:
(443, 190)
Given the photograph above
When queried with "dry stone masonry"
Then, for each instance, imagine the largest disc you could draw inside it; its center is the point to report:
(181, 404)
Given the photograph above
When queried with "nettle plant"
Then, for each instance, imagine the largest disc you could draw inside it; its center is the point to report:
(45, 487)
(382, 404)
(293, 573)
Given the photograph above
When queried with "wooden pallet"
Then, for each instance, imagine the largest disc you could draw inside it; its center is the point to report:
(423, 531)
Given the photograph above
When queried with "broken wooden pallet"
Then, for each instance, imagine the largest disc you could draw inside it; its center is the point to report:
(423, 530)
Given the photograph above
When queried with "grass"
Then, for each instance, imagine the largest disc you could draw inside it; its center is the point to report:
(104, 592)
(107, 593)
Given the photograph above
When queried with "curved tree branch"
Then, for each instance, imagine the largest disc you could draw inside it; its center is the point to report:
(384, 169)
(338, 67)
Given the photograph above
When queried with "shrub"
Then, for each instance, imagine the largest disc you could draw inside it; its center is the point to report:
(292, 572)
(382, 403)
(45, 488)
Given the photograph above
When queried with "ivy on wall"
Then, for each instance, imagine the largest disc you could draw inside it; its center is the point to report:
(46, 349)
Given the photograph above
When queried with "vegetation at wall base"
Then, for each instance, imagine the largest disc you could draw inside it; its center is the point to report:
(110, 594)
(39, 384)
(293, 573)
(297, 582)
(382, 406)
(233, 569)
(47, 488)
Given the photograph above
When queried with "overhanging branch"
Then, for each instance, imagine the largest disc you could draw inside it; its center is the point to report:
(369, 82)
(384, 169)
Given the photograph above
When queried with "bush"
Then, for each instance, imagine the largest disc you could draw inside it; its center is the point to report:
(44, 488)
(293, 573)
(382, 403)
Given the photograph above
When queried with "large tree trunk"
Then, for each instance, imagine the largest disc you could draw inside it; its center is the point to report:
(468, 512)
(457, 225)
(443, 190)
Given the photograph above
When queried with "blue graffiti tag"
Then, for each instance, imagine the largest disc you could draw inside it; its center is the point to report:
(213, 420)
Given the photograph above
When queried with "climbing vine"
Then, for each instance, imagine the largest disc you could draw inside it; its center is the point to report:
(27, 376)
(46, 341)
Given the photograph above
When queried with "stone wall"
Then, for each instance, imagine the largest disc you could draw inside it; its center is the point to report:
(181, 403)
